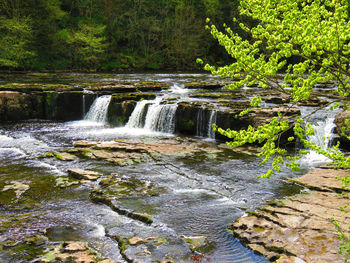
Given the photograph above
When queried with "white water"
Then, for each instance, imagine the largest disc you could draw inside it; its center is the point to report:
(153, 116)
(205, 129)
(98, 110)
(136, 119)
(212, 120)
(323, 127)
(179, 89)
(200, 123)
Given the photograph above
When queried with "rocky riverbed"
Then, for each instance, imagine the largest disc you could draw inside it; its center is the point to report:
(300, 226)
(126, 168)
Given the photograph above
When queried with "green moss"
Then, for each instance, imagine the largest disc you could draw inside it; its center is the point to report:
(190, 123)
(143, 217)
(122, 243)
(63, 182)
(28, 248)
(63, 156)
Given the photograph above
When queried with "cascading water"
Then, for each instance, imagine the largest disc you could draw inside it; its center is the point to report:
(137, 117)
(85, 91)
(159, 117)
(204, 128)
(200, 129)
(179, 89)
(212, 120)
(323, 133)
(98, 110)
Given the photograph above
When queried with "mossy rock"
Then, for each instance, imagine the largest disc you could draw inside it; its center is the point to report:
(115, 189)
(203, 85)
(152, 86)
(121, 97)
(38, 87)
(64, 156)
(27, 248)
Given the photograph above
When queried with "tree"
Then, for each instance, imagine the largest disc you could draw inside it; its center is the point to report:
(317, 33)
(15, 41)
(308, 41)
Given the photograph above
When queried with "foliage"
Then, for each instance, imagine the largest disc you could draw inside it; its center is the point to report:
(87, 43)
(313, 34)
(109, 34)
(15, 38)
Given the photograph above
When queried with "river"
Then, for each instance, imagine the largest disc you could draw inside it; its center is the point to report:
(205, 190)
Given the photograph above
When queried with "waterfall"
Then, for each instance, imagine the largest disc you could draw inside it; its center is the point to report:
(136, 119)
(98, 110)
(83, 108)
(200, 123)
(205, 123)
(85, 91)
(323, 133)
(154, 116)
(178, 89)
(212, 120)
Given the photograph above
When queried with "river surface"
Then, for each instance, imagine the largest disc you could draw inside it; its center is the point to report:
(206, 191)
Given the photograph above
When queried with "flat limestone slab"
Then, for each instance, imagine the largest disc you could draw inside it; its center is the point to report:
(301, 225)
(324, 179)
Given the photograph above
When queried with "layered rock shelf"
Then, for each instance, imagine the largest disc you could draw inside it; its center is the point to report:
(300, 227)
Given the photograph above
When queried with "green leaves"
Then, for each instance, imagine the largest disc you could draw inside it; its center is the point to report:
(316, 35)
(15, 41)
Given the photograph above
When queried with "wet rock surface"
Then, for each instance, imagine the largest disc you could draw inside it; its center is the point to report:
(205, 85)
(126, 87)
(114, 189)
(77, 252)
(17, 106)
(340, 122)
(84, 174)
(300, 226)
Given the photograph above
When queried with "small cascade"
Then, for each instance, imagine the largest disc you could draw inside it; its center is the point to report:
(201, 127)
(154, 116)
(137, 117)
(83, 108)
(98, 110)
(205, 123)
(212, 120)
(323, 133)
(178, 89)
(85, 91)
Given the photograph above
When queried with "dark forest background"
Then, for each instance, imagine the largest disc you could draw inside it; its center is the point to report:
(111, 35)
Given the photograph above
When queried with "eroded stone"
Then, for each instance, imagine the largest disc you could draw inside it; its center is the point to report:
(84, 174)
(300, 225)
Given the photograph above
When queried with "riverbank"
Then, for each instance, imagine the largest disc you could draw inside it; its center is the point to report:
(300, 226)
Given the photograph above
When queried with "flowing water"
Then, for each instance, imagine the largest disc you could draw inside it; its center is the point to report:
(323, 131)
(98, 110)
(206, 190)
(153, 116)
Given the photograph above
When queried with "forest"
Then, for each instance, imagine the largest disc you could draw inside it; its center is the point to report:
(111, 35)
